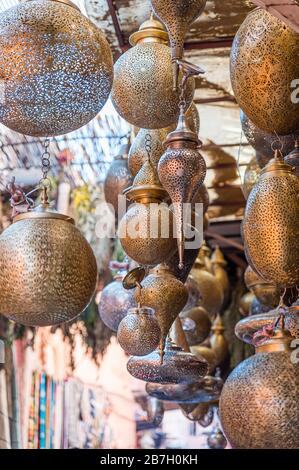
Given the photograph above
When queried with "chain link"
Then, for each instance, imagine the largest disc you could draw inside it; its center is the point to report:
(45, 165)
(148, 146)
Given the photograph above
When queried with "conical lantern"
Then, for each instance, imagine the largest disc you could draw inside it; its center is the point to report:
(182, 171)
(218, 267)
(138, 154)
(115, 301)
(259, 403)
(178, 367)
(118, 178)
(271, 225)
(48, 271)
(56, 65)
(138, 332)
(263, 70)
(146, 230)
(204, 390)
(209, 287)
(267, 293)
(263, 142)
(177, 15)
(142, 90)
(165, 294)
(293, 158)
(202, 325)
(218, 341)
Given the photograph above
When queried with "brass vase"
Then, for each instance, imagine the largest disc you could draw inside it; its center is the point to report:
(178, 367)
(267, 293)
(142, 90)
(264, 142)
(263, 69)
(218, 341)
(118, 179)
(48, 271)
(138, 153)
(177, 15)
(57, 68)
(164, 293)
(182, 171)
(271, 225)
(138, 332)
(146, 230)
(200, 325)
(259, 403)
(209, 287)
(292, 158)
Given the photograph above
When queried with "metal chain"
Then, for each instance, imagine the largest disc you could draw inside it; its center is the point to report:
(148, 146)
(45, 182)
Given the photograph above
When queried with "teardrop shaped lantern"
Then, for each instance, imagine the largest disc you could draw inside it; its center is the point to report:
(293, 158)
(115, 301)
(178, 367)
(259, 403)
(57, 68)
(264, 142)
(146, 230)
(138, 332)
(48, 271)
(118, 178)
(182, 171)
(142, 89)
(166, 295)
(177, 15)
(138, 154)
(271, 225)
(263, 70)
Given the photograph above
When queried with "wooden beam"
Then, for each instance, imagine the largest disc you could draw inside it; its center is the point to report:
(285, 10)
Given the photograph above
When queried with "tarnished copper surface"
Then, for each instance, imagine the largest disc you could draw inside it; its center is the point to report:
(262, 70)
(57, 67)
(118, 179)
(202, 325)
(178, 367)
(142, 90)
(138, 332)
(259, 403)
(48, 271)
(165, 294)
(264, 142)
(203, 391)
(177, 15)
(271, 225)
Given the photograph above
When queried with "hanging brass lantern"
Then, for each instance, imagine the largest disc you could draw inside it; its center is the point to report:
(115, 301)
(202, 325)
(218, 341)
(182, 171)
(251, 176)
(263, 142)
(202, 350)
(48, 271)
(209, 287)
(271, 225)
(293, 158)
(138, 332)
(204, 390)
(138, 154)
(142, 89)
(259, 403)
(177, 15)
(57, 68)
(218, 268)
(146, 230)
(263, 69)
(164, 293)
(267, 293)
(118, 178)
(178, 367)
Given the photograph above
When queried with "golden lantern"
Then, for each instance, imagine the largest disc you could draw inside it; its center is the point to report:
(138, 153)
(138, 332)
(218, 264)
(209, 287)
(259, 403)
(177, 15)
(271, 225)
(141, 230)
(182, 171)
(267, 293)
(56, 65)
(200, 325)
(263, 69)
(202, 350)
(48, 270)
(245, 303)
(251, 176)
(218, 341)
(142, 89)
(118, 179)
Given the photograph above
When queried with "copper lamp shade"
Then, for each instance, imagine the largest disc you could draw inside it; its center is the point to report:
(56, 65)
